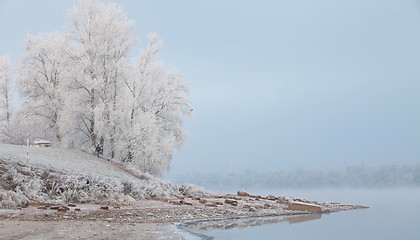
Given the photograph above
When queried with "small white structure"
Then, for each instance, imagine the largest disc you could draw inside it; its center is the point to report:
(42, 143)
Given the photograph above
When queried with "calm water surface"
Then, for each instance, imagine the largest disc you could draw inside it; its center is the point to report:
(393, 214)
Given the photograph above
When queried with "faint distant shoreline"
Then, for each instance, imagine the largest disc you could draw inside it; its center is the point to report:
(357, 176)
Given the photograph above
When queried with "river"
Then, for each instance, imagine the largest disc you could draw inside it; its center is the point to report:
(392, 214)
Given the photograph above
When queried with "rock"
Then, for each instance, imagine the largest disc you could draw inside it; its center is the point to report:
(195, 198)
(271, 197)
(230, 196)
(242, 193)
(186, 202)
(237, 198)
(203, 201)
(180, 197)
(42, 207)
(104, 207)
(61, 209)
(234, 203)
(297, 206)
(252, 209)
(71, 205)
(161, 199)
(116, 207)
(77, 210)
(267, 205)
(229, 201)
(282, 200)
(175, 202)
(258, 206)
(246, 206)
(54, 207)
(210, 204)
(255, 196)
(65, 207)
(219, 203)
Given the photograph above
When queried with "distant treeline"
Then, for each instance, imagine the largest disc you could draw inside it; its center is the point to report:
(393, 175)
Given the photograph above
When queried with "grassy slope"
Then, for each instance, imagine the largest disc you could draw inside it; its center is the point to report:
(53, 174)
(62, 160)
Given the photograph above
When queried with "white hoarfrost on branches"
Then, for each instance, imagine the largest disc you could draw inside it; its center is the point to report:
(157, 102)
(43, 70)
(102, 40)
(82, 90)
(5, 94)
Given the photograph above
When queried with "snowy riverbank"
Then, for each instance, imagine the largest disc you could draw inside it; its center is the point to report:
(59, 189)
(151, 219)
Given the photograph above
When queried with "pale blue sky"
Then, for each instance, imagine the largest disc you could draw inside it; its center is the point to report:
(276, 84)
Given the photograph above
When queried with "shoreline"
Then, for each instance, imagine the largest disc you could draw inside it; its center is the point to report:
(155, 219)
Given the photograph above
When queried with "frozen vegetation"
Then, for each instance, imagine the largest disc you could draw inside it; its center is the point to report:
(52, 175)
(81, 89)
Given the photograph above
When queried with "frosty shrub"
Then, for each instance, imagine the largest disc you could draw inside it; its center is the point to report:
(20, 184)
(12, 199)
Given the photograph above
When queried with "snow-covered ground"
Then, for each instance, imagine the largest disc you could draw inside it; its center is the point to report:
(59, 159)
(59, 186)
(53, 175)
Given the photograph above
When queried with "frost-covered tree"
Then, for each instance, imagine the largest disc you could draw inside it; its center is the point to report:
(157, 102)
(43, 69)
(102, 40)
(5, 94)
(82, 88)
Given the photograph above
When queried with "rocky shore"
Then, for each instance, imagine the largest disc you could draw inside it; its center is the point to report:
(179, 209)
(158, 213)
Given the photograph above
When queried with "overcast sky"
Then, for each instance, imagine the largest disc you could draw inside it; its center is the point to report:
(276, 84)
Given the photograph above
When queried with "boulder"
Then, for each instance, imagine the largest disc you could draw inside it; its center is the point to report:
(271, 197)
(242, 193)
(61, 209)
(282, 200)
(210, 204)
(185, 202)
(175, 202)
(299, 206)
(77, 210)
(230, 201)
(71, 205)
(267, 205)
(230, 196)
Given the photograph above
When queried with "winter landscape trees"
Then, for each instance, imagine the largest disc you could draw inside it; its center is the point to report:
(5, 94)
(81, 88)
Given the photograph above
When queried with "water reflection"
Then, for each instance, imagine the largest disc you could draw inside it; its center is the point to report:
(241, 223)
